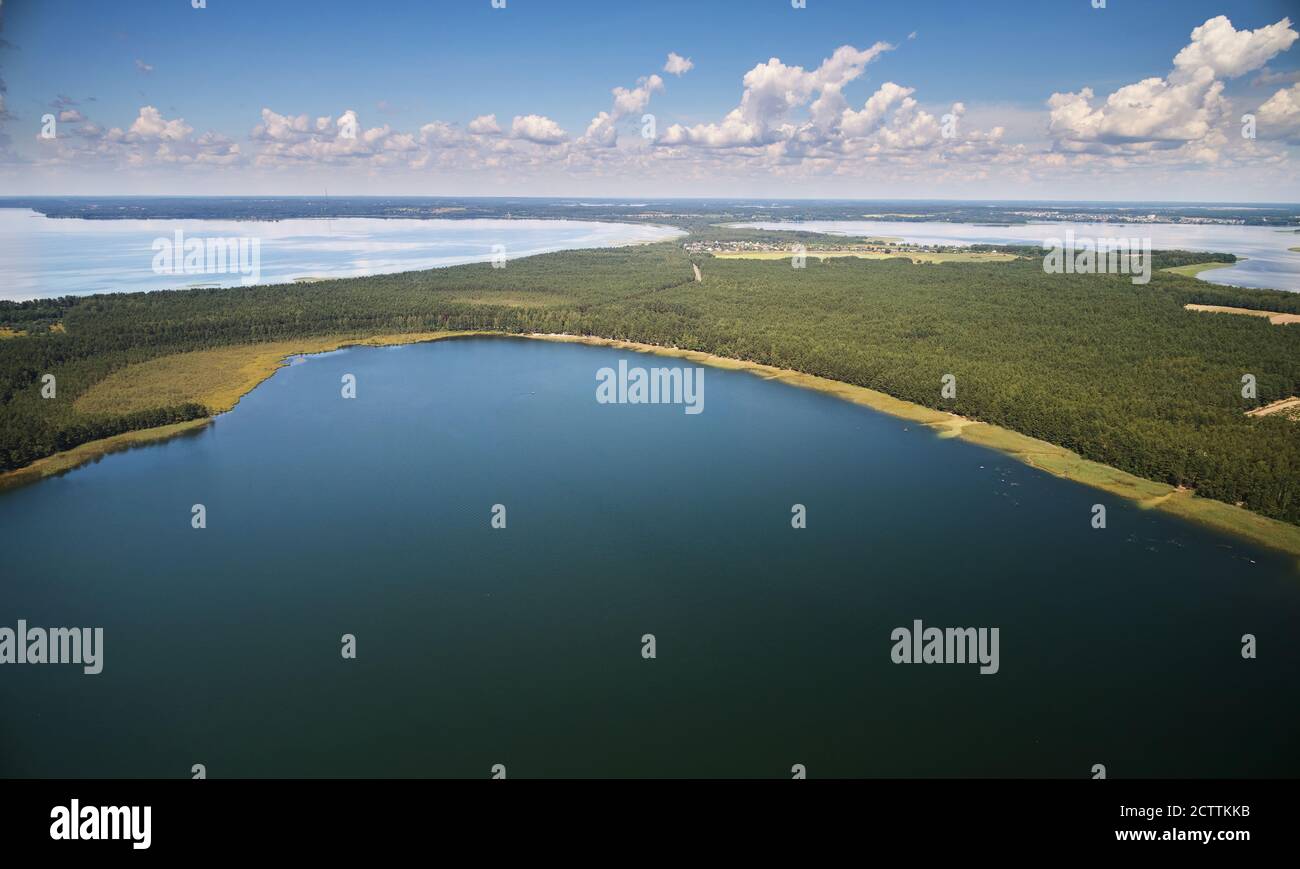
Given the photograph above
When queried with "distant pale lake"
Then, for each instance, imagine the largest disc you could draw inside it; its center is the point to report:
(42, 257)
(523, 646)
(1269, 264)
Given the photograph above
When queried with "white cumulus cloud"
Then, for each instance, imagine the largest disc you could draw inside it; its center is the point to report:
(485, 125)
(771, 91)
(1279, 116)
(1227, 52)
(677, 65)
(537, 128)
(150, 124)
(1185, 110)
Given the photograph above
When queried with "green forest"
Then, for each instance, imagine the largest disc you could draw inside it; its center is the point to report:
(1119, 373)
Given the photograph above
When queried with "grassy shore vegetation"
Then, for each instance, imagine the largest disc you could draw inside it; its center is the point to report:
(215, 378)
(95, 450)
(1112, 374)
(1195, 269)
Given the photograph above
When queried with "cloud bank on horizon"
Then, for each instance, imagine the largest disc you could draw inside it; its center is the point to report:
(791, 129)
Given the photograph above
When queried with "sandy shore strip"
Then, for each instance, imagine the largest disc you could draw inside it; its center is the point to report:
(1282, 405)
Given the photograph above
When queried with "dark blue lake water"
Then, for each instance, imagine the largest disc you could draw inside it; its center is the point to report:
(523, 646)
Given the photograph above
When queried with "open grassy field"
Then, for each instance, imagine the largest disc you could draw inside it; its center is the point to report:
(1277, 319)
(914, 256)
(1195, 269)
(215, 378)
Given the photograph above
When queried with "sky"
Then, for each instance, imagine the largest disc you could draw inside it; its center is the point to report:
(1195, 100)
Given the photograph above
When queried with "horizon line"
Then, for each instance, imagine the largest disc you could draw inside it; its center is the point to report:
(624, 199)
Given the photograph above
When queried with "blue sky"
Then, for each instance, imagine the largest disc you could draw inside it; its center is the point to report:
(402, 66)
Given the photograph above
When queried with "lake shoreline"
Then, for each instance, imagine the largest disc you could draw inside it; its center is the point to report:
(1045, 456)
(1195, 269)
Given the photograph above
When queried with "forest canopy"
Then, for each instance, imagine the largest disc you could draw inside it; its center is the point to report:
(1119, 373)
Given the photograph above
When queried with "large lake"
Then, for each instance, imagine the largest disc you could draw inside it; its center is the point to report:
(42, 256)
(1269, 264)
(523, 646)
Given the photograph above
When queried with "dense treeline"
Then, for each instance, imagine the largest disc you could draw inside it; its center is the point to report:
(1160, 259)
(1164, 259)
(34, 315)
(1278, 301)
(47, 437)
(1118, 372)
